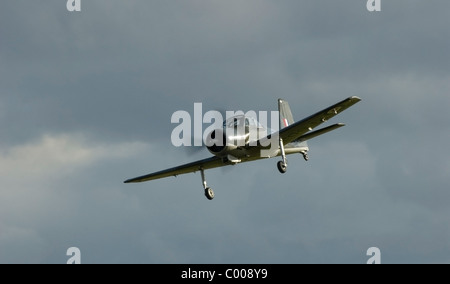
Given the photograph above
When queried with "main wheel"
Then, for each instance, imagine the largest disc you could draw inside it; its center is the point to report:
(209, 193)
(282, 167)
(305, 156)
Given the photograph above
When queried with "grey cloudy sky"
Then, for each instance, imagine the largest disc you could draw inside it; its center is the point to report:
(86, 100)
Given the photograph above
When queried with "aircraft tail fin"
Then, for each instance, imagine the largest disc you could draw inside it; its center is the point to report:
(286, 117)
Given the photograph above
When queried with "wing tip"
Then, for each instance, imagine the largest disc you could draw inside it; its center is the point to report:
(355, 98)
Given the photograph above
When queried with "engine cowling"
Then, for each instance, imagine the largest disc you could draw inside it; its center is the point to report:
(216, 142)
(221, 144)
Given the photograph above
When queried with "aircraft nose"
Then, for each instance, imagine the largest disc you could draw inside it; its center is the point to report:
(216, 140)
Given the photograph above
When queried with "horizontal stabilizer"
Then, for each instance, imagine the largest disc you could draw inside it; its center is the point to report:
(296, 130)
(319, 132)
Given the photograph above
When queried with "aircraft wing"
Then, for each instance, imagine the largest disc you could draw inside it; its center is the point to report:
(300, 128)
(205, 164)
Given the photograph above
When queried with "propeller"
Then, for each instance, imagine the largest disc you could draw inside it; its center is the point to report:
(193, 149)
(196, 150)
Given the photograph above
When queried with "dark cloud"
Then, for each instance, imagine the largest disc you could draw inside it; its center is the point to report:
(86, 100)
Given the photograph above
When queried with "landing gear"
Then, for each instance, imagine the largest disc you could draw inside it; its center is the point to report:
(282, 165)
(209, 193)
(305, 155)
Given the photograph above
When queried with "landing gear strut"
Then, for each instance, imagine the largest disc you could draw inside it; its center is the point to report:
(282, 165)
(209, 193)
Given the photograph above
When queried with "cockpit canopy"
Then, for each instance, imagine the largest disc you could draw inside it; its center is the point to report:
(241, 120)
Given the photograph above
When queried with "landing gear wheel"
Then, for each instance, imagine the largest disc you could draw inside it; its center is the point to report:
(282, 167)
(209, 193)
(305, 156)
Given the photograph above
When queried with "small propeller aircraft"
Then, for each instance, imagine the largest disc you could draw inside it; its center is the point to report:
(239, 141)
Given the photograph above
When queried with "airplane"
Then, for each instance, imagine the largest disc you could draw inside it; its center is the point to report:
(238, 142)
